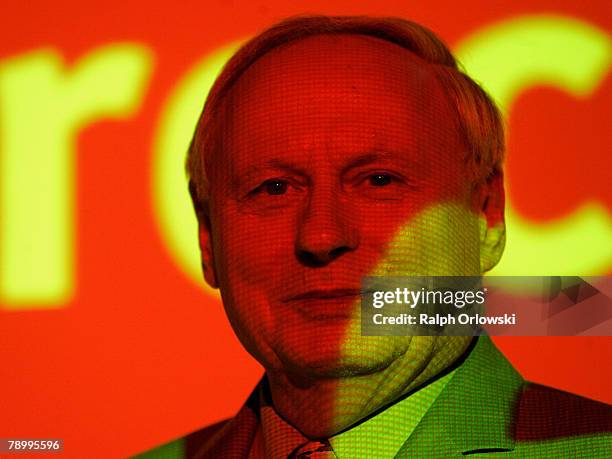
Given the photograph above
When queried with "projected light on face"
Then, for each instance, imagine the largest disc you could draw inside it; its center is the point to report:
(339, 157)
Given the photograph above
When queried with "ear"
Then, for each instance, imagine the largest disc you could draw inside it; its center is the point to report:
(490, 199)
(206, 253)
(204, 238)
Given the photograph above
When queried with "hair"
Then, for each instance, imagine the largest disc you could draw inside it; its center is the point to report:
(479, 120)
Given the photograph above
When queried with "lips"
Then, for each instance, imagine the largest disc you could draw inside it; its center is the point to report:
(328, 304)
(328, 294)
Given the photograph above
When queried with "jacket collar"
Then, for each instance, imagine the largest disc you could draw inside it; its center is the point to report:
(236, 436)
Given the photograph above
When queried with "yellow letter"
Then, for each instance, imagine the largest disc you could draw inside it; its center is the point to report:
(42, 108)
(508, 58)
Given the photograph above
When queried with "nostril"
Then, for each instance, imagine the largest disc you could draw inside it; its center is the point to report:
(335, 253)
(315, 259)
(310, 259)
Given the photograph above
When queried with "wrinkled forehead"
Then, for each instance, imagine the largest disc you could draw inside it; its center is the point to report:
(337, 88)
(337, 65)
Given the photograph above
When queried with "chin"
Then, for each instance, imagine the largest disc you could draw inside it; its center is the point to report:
(326, 352)
(364, 355)
(316, 367)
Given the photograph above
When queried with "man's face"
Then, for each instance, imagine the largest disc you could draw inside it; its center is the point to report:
(340, 158)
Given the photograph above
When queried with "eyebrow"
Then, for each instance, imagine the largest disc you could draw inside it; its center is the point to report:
(272, 163)
(366, 159)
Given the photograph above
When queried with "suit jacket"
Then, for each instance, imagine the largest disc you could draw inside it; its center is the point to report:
(486, 410)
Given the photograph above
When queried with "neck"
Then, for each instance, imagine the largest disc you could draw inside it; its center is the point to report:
(322, 407)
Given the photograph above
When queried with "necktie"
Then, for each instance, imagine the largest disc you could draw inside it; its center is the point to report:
(313, 450)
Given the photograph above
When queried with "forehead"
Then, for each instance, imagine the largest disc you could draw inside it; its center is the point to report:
(340, 92)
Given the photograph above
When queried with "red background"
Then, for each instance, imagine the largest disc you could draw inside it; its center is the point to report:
(141, 355)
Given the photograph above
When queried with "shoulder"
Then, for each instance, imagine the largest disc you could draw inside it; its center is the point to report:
(188, 445)
(205, 436)
(544, 412)
(228, 438)
(558, 422)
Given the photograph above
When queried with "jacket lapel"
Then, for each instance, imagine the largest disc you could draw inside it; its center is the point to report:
(476, 411)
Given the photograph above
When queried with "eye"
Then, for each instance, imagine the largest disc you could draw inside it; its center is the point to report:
(380, 184)
(272, 195)
(380, 179)
(275, 187)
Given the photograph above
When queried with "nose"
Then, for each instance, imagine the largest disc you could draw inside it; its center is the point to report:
(324, 230)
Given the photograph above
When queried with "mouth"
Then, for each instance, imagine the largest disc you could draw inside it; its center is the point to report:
(326, 304)
(330, 294)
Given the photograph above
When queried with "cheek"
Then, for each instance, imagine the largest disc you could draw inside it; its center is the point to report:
(253, 250)
(440, 239)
